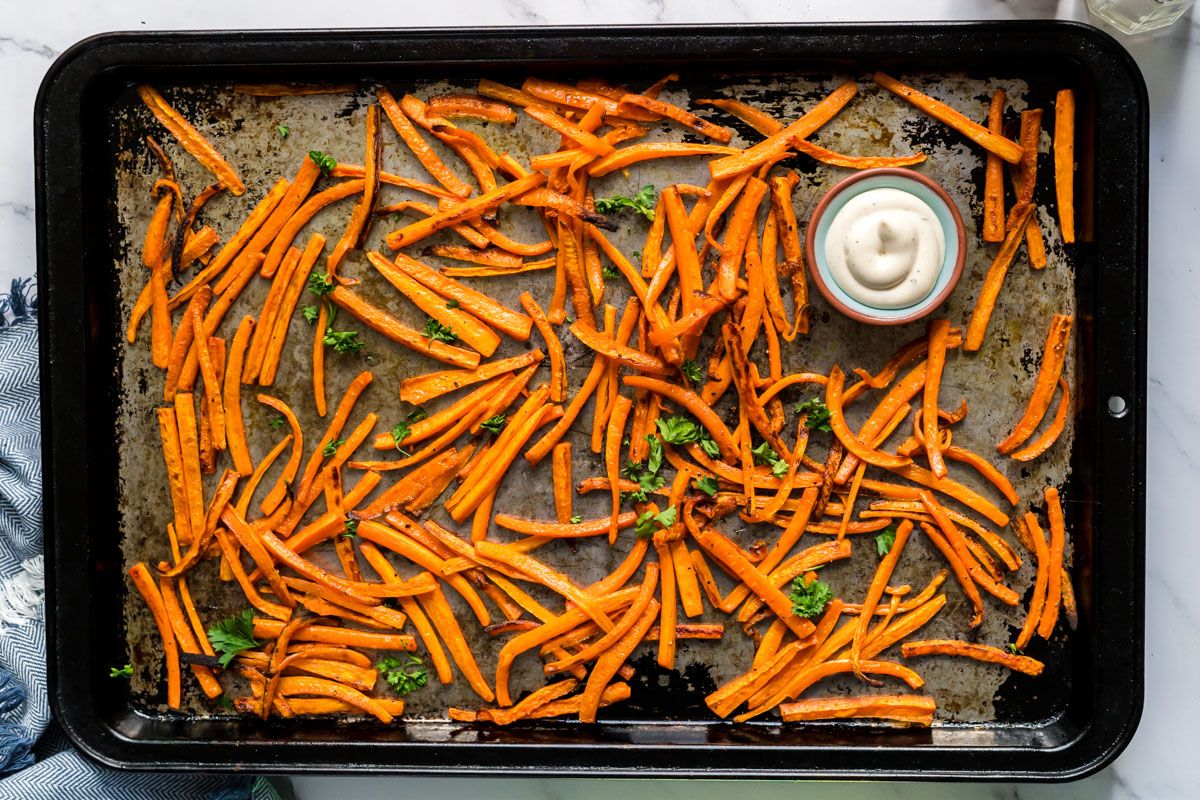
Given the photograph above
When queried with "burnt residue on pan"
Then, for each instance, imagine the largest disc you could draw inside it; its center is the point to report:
(995, 382)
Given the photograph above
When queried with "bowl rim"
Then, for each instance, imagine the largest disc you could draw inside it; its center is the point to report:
(927, 305)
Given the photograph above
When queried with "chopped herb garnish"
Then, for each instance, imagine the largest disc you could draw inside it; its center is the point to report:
(332, 447)
(707, 484)
(654, 459)
(452, 303)
(494, 424)
(609, 272)
(277, 422)
(809, 599)
(284, 130)
(311, 313)
(435, 331)
(885, 539)
(679, 430)
(350, 529)
(343, 341)
(649, 522)
(641, 203)
(1012, 648)
(818, 414)
(123, 672)
(709, 445)
(325, 162)
(765, 454)
(404, 426)
(231, 636)
(576, 519)
(691, 371)
(405, 676)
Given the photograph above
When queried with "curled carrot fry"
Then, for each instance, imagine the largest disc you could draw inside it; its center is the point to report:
(979, 652)
(190, 139)
(1054, 354)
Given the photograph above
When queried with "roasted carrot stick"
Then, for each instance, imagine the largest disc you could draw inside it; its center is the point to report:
(985, 303)
(423, 388)
(901, 708)
(360, 217)
(682, 116)
(938, 331)
(554, 349)
(419, 147)
(145, 584)
(607, 665)
(1052, 431)
(1064, 162)
(510, 322)
(561, 474)
(190, 139)
(835, 159)
(1054, 353)
(383, 322)
(442, 617)
(979, 652)
(993, 179)
(463, 211)
(1054, 512)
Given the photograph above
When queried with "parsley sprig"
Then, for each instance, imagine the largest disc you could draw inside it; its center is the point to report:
(435, 331)
(765, 454)
(405, 677)
(325, 162)
(818, 414)
(404, 427)
(885, 539)
(641, 203)
(648, 522)
(809, 599)
(122, 672)
(231, 636)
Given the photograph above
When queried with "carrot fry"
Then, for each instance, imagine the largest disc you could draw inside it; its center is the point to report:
(1054, 354)
(145, 584)
(464, 105)
(625, 156)
(383, 322)
(993, 179)
(938, 331)
(985, 303)
(554, 349)
(835, 159)
(856, 446)
(463, 211)
(1050, 435)
(900, 708)
(979, 652)
(879, 582)
(360, 218)
(1007, 149)
(756, 118)
(423, 388)
(1064, 162)
(1049, 618)
(777, 143)
(419, 147)
(190, 139)
(609, 663)
(683, 117)
(442, 617)
(561, 477)
(287, 305)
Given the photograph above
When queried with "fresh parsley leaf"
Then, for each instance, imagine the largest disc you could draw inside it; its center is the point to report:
(576, 519)
(637, 255)
(277, 422)
(765, 454)
(818, 414)
(350, 529)
(641, 203)
(325, 162)
(647, 480)
(320, 284)
(885, 539)
(494, 424)
(679, 430)
(648, 522)
(709, 446)
(609, 272)
(1012, 648)
(343, 341)
(405, 676)
(452, 303)
(231, 636)
(691, 371)
(332, 447)
(404, 426)
(123, 672)
(225, 702)
(435, 331)
(707, 484)
(311, 313)
(654, 459)
(284, 130)
(809, 599)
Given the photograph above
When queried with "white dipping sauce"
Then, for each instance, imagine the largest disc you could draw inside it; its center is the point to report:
(885, 248)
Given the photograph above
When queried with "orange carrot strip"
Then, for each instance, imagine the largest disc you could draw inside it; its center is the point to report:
(993, 179)
(287, 306)
(423, 388)
(303, 214)
(777, 143)
(326, 634)
(1007, 149)
(442, 617)
(756, 118)
(419, 147)
(1054, 354)
(318, 359)
(232, 554)
(145, 584)
(232, 399)
(902, 708)
(463, 105)
(979, 652)
(609, 663)
(554, 349)
(445, 419)
(682, 116)
(625, 156)
(463, 211)
(612, 458)
(985, 303)
(958, 542)
(190, 139)
(835, 159)
(360, 217)
(879, 582)
(1058, 533)
(548, 577)
(960, 570)
(1050, 435)
(189, 449)
(861, 450)
(740, 227)
(1064, 162)
(588, 141)
(561, 476)
(938, 331)
(379, 320)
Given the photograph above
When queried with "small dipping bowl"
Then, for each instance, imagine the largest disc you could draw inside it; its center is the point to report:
(886, 178)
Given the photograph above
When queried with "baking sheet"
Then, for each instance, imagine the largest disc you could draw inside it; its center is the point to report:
(996, 382)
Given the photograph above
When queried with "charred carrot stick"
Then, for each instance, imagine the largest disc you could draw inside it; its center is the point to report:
(614, 433)
(1049, 617)
(981, 314)
(231, 398)
(554, 349)
(184, 636)
(902, 708)
(959, 569)
(1054, 354)
(619, 353)
(938, 331)
(1007, 149)
(326, 634)
(979, 652)
(740, 228)
(879, 582)
(756, 118)
(548, 577)
(145, 584)
(682, 116)
(423, 388)
(443, 620)
(360, 217)
(777, 143)
(464, 105)
(491, 257)
(1025, 181)
(561, 475)
(190, 139)
(512, 323)
(861, 450)
(379, 320)
(609, 663)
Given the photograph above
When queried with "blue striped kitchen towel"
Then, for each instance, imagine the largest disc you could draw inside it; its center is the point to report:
(36, 760)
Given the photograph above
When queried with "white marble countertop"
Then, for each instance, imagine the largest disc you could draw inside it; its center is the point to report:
(1160, 763)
